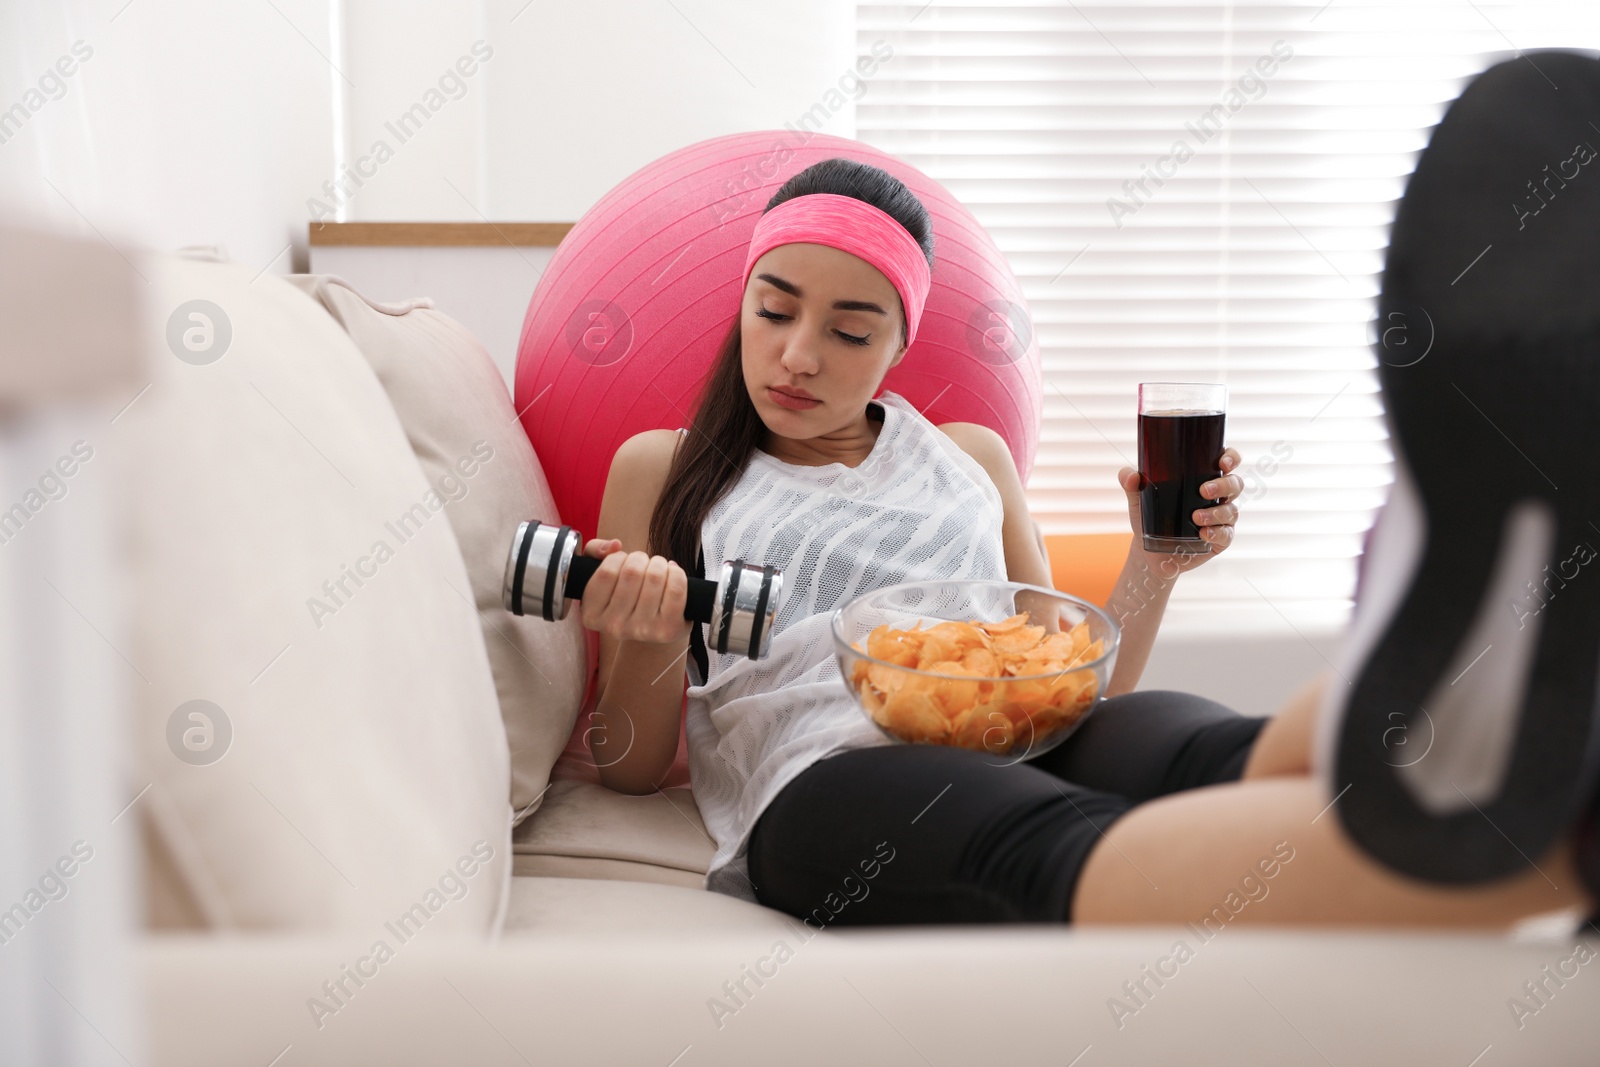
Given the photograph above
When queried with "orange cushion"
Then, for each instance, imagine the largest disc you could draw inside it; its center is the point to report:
(1087, 565)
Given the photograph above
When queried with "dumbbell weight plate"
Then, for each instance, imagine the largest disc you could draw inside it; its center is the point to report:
(747, 597)
(540, 589)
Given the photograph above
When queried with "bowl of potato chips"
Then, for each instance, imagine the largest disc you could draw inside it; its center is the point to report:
(998, 667)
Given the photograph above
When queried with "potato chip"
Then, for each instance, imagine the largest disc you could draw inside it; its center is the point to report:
(872, 702)
(954, 696)
(964, 634)
(1061, 644)
(1027, 698)
(915, 716)
(949, 641)
(983, 663)
(894, 646)
(984, 731)
(1004, 626)
(1067, 691)
(887, 679)
(1032, 663)
(1021, 639)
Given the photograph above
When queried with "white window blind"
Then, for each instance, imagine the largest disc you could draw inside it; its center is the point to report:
(1252, 257)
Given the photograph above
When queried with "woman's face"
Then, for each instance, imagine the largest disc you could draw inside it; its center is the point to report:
(817, 320)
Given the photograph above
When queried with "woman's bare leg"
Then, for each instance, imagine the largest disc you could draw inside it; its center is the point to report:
(1269, 851)
(1284, 744)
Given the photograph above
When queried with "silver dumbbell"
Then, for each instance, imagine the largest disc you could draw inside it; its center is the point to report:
(545, 573)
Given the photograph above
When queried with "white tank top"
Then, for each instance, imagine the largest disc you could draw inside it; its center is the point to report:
(918, 508)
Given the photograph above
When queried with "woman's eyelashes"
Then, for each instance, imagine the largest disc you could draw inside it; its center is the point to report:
(847, 337)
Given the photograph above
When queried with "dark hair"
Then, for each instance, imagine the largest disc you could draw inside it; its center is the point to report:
(727, 428)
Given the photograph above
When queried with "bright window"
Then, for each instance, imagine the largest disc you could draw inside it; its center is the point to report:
(1199, 192)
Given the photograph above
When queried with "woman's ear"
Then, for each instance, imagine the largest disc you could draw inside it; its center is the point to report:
(898, 356)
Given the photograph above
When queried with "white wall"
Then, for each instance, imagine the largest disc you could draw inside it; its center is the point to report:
(196, 123)
(644, 78)
(189, 123)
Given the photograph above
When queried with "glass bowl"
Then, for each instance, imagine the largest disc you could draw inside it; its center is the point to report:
(990, 674)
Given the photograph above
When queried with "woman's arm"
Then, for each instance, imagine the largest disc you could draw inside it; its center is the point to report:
(1137, 602)
(634, 733)
(1139, 599)
(1025, 556)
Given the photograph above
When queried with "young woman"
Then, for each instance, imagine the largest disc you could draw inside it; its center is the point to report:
(1162, 807)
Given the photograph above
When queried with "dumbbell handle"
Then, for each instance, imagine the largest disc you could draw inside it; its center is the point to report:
(702, 592)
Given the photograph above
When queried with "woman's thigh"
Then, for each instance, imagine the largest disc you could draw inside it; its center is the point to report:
(925, 834)
(1271, 851)
(1151, 743)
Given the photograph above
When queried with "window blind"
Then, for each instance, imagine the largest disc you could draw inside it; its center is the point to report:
(1199, 191)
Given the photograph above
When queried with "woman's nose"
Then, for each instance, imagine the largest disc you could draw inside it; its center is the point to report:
(798, 357)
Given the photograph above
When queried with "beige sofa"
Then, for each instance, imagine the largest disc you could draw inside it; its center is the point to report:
(389, 733)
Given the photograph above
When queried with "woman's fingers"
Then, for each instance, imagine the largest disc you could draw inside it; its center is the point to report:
(1221, 515)
(636, 596)
(1216, 524)
(676, 598)
(652, 590)
(612, 588)
(1129, 479)
(662, 599)
(600, 547)
(597, 591)
(630, 580)
(1225, 488)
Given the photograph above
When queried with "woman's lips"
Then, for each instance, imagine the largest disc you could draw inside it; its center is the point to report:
(794, 403)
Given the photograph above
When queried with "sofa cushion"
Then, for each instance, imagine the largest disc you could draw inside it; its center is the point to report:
(457, 413)
(316, 718)
(606, 906)
(605, 834)
(524, 865)
(1086, 565)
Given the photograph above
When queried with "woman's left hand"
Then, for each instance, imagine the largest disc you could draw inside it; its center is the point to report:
(1215, 523)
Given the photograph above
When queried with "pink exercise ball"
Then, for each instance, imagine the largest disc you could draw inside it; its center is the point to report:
(624, 325)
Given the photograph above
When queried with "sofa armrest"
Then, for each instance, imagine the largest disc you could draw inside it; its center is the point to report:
(1027, 993)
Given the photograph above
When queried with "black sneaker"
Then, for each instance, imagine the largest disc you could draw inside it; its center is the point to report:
(1463, 735)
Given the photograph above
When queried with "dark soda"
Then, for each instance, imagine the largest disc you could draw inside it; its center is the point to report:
(1178, 453)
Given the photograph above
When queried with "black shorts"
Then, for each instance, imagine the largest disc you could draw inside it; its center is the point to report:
(936, 834)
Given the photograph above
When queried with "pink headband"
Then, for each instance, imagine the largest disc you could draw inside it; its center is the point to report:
(853, 226)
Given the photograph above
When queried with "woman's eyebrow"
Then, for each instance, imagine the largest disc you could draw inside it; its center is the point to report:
(839, 305)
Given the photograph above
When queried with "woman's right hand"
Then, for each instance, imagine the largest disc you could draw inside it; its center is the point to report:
(634, 596)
